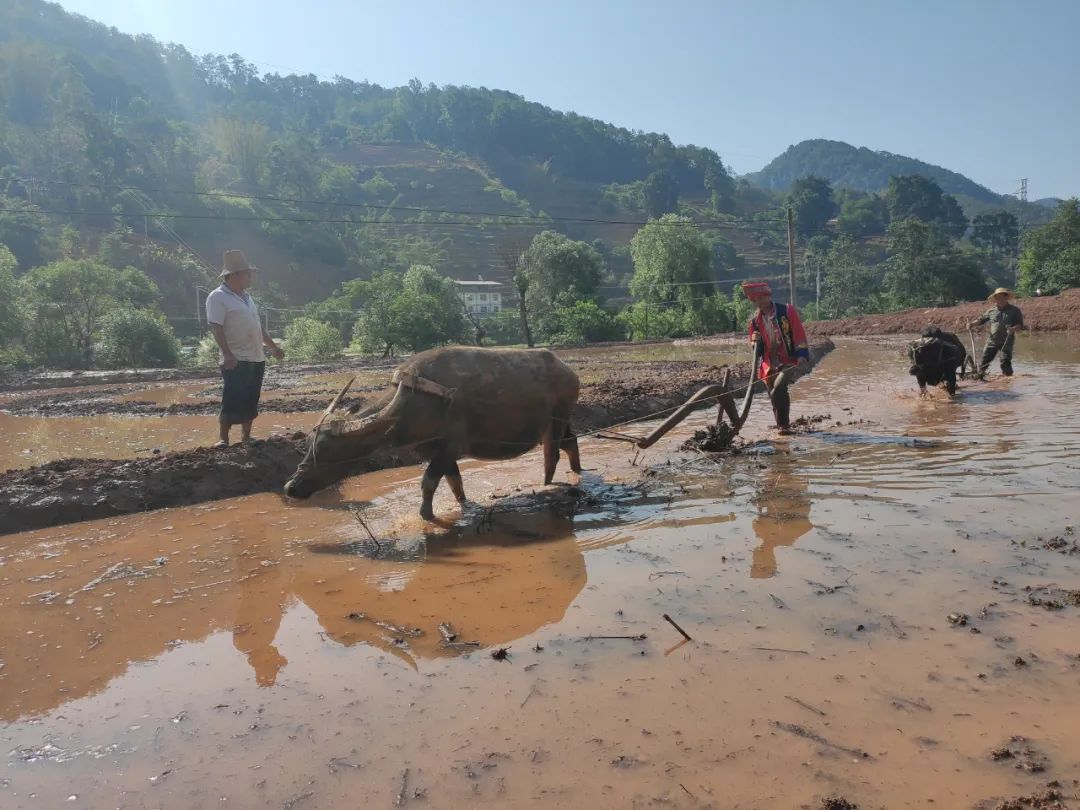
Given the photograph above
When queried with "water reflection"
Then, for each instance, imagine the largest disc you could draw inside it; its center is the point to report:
(67, 632)
(783, 517)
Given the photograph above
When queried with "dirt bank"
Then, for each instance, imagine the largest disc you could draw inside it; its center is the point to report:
(82, 489)
(1050, 313)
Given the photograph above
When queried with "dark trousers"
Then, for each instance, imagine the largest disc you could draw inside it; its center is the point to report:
(991, 351)
(781, 402)
(240, 395)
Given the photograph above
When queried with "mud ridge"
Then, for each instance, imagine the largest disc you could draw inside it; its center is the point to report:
(73, 490)
(1048, 313)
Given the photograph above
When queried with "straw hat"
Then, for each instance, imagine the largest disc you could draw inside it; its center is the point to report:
(1000, 291)
(753, 288)
(235, 262)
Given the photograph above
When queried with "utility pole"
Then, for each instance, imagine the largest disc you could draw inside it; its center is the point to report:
(1020, 225)
(791, 257)
(817, 292)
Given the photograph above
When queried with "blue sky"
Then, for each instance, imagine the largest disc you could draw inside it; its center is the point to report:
(988, 88)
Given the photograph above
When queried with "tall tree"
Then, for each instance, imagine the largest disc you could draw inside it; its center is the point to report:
(563, 271)
(672, 262)
(812, 204)
(660, 193)
(1050, 260)
(916, 196)
(924, 268)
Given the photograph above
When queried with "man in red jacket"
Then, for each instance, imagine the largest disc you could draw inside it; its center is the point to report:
(784, 345)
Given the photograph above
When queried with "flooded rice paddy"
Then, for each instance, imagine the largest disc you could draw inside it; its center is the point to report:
(874, 608)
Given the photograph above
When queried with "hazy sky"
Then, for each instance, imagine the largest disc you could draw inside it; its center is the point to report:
(985, 87)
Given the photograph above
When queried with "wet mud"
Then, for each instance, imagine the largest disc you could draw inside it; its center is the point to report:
(257, 653)
(70, 490)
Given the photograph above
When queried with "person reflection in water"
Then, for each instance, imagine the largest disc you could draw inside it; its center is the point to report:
(263, 596)
(783, 517)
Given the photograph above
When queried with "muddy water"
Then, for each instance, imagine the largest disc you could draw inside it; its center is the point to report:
(263, 654)
(26, 441)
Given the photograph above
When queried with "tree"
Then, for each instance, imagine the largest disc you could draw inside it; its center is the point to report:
(429, 311)
(561, 272)
(313, 341)
(996, 231)
(672, 262)
(1049, 259)
(137, 338)
(925, 269)
(244, 143)
(812, 204)
(12, 310)
(865, 216)
(377, 330)
(585, 322)
(952, 218)
(917, 196)
(70, 298)
(416, 311)
(660, 194)
(849, 286)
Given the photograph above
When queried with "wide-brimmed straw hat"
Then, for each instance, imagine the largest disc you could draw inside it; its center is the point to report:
(1000, 291)
(753, 288)
(235, 262)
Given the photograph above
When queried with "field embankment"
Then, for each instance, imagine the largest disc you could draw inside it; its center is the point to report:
(72, 490)
(1048, 313)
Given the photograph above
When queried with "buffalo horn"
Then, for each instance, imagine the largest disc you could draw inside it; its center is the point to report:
(336, 400)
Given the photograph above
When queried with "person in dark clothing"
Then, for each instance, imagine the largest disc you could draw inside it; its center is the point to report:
(1005, 321)
(935, 357)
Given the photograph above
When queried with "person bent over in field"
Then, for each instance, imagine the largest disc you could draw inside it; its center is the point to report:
(780, 329)
(1005, 321)
(234, 322)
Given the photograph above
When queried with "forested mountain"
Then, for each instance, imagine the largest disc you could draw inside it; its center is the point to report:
(320, 181)
(861, 169)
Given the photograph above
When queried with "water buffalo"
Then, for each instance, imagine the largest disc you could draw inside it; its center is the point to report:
(935, 357)
(449, 403)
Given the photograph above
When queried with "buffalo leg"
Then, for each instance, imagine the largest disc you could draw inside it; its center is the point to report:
(570, 447)
(441, 464)
(950, 381)
(453, 478)
(552, 440)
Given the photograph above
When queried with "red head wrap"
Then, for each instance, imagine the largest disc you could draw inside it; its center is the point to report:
(754, 288)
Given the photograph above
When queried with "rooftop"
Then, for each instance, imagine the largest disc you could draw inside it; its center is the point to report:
(477, 283)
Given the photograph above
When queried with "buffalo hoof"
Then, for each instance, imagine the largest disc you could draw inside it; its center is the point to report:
(426, 512)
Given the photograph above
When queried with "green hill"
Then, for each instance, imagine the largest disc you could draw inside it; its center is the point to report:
(861, 169)
(319, 181)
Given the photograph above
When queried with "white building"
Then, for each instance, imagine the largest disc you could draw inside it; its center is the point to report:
(480, 297)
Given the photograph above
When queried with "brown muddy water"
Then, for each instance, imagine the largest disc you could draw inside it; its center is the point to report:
(256, 653)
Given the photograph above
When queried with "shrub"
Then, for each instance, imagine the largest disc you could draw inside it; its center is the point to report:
(312, 341)
(137, 338)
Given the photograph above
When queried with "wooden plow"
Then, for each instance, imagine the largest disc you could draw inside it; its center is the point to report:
(721, 392)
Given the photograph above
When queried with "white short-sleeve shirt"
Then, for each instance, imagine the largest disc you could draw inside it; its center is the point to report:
(238, 315)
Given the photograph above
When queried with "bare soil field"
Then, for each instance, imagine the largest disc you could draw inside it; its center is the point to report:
(67, 490)
(1049, 313)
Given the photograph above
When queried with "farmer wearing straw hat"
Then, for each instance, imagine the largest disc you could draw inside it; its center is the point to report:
(234, 322)
(781, 330)
(1005, 321)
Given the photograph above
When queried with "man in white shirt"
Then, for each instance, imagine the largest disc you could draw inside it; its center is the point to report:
(234, 322)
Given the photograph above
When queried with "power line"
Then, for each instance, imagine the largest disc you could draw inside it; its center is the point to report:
(299, 201)
(329, 221)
